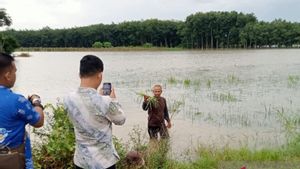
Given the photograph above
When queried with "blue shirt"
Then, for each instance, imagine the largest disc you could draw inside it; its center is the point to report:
(15, 113)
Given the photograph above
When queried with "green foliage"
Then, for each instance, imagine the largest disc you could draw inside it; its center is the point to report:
(107, 44)
(122, 150)
(97, 45)
(208, 83)
(151, 100)
(200, 30)
(232, 79)
(57, 148)
(293, 80)
(147, 45)
(223, 97)
(5, 19)
(174, 107)
(172, 80)
(187, 82)
(7, 44)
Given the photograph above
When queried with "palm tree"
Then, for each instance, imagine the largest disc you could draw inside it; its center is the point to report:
(5, 20)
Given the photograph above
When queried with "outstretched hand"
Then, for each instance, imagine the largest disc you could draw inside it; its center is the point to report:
(146, 98)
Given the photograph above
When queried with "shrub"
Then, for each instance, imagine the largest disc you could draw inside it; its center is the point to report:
(107, 45)
(147, 45)
(8, 44)
(56, 148)
(97, 45)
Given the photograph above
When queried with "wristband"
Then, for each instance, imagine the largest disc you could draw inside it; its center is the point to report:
(36, 100)
(36, 104)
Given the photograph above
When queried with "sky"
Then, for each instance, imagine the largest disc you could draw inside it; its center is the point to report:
(36, 14)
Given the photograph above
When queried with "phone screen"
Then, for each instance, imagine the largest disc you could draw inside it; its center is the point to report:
(106, 88)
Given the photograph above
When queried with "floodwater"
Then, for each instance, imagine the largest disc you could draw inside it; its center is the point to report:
(217, 98)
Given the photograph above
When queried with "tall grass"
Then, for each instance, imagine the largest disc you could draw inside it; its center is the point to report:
(57, 147)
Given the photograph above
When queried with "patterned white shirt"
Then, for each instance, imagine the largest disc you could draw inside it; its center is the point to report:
(92, 116)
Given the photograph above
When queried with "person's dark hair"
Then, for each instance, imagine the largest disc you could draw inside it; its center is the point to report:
(6, 60)
(89, 65)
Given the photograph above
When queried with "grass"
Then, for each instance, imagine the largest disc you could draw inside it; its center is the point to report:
(232, 79)
(174, 107)
(172, 80)
(208, 83)
(186, 82)
(293, 80)
(57, 147)
(223, 97)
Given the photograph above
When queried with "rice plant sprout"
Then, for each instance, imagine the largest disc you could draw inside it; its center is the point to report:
(151, 100)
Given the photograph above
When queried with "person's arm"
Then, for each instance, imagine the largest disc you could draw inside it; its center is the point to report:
(31, 111)
(115, 112)
(145, 105)
(39, 108)
(166, 115)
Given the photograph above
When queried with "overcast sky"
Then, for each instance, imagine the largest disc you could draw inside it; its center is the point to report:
(36, 14)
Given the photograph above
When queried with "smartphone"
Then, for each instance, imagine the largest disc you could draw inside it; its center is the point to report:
(106, 88)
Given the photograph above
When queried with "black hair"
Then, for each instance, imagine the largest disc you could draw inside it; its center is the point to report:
(89, 65)
(6, 60)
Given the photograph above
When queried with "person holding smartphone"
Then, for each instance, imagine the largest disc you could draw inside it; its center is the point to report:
(92, 114)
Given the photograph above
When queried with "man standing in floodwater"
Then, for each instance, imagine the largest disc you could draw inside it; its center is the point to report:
(92, 115)
(157, 114)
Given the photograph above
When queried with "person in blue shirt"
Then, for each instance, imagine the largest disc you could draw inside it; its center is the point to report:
(16, 112)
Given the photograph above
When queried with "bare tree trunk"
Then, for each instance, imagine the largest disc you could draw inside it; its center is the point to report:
(211, 39)
(202, 42)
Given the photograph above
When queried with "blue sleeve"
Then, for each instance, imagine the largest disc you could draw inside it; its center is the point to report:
(26, 111)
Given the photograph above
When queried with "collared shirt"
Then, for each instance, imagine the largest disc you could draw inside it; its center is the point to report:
(92, 116)
(15, 113)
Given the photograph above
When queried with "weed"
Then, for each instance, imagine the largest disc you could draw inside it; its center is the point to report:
(187, 82)
(293, 80)
(172, 80)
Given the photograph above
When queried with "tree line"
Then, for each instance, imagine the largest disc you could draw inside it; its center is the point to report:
(210, 30)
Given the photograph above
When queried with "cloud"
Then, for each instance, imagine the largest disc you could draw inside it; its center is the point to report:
(36, 14)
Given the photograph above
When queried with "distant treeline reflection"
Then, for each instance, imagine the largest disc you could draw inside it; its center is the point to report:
(200, 30)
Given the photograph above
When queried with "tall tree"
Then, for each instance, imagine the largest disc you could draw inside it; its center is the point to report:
(5, 20)
(7, 43)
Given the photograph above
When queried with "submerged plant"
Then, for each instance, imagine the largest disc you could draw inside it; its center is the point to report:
(187, 82)
(293, 80)
(208, 83)
(232, 79)
(172, 80)
(174, 107)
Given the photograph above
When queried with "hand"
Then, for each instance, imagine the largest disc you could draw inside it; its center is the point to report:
(169, 125)
(34, 99)
(146, 98)
(112, 93)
